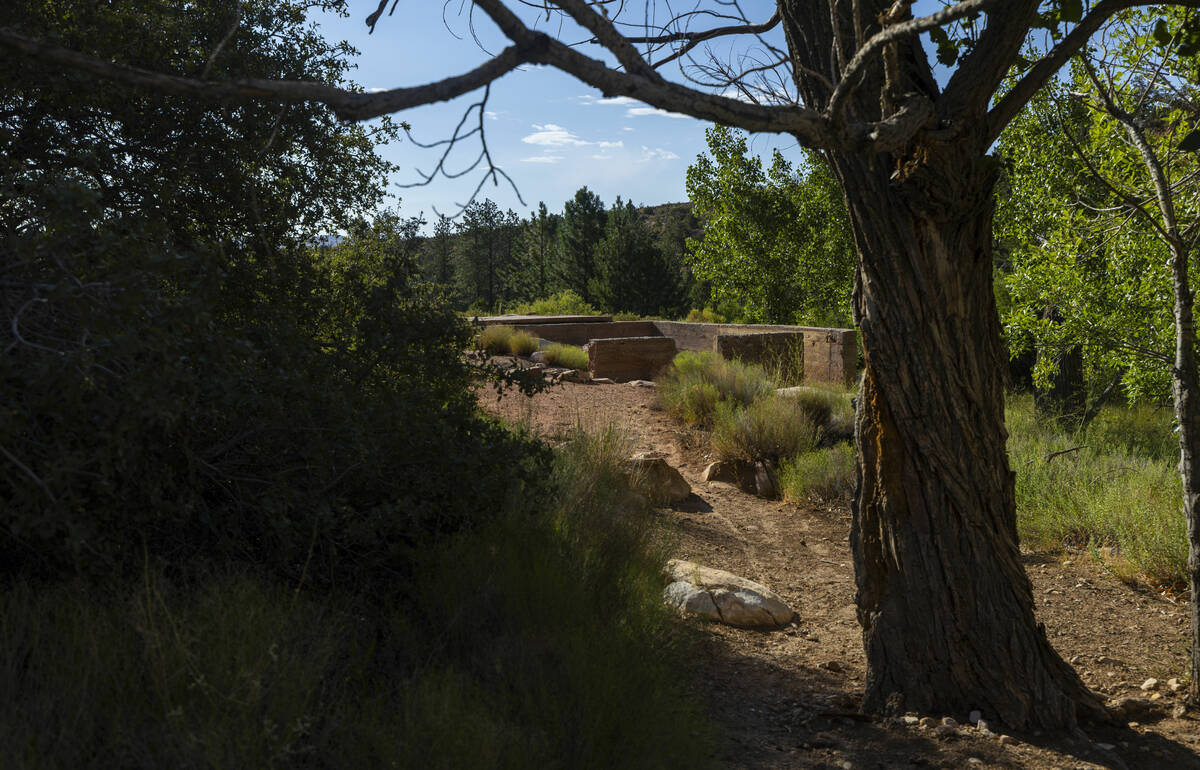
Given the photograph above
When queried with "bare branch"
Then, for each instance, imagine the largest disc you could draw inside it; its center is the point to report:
(347, 104)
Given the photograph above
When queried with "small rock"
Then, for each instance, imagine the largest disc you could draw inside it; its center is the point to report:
(834, 666)
(601, 381)
(576, 375)
(847, 766)
(910, 720)
(1179, 711)
(1075, 660)
(927, 722)
(1105, 746)
(942, 731)
(1068, 563)
(974, 761)
(643, 383)
(1150, 684)
(982, 726)
(949, 722)
(974, 716)
(653, 477)
(1156, 696)
(537, 356)
(720, 471)
(1008, 740)
(1174, 684)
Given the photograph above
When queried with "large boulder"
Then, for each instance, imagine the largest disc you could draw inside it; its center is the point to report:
(724, 597)
(655, 478)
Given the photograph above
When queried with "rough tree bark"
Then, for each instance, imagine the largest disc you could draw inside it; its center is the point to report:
(943, 599)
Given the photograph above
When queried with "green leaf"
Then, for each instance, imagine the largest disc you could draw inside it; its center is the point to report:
(947, 49)
(1162, 35)
(1191, 142)
(1071, 11)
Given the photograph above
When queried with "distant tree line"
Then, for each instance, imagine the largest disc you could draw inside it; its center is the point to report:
(619, 259)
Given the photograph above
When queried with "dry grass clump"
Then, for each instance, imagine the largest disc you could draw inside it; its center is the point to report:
(697, 382)
(522, 343)
(769, 429)
(494, 340)
(570, 356)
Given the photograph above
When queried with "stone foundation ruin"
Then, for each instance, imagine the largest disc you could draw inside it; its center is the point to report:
(635, 350)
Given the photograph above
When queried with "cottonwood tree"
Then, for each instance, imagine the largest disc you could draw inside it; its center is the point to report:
(1122, 256)
(945, 605)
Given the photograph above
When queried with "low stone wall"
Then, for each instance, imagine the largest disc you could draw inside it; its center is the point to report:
(518, 320)
(769, 348)
(580, 333)
(630, 358)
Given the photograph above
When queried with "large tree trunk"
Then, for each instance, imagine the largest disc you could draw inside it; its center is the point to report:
(943, 599)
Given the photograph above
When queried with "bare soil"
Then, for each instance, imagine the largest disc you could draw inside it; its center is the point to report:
(789, 698)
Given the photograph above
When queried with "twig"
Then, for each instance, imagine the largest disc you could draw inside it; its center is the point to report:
(1052, 455)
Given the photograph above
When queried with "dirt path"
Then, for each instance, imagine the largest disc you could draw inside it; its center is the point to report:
(789, 698)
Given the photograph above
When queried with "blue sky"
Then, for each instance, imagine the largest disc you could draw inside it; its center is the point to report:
(549, 132)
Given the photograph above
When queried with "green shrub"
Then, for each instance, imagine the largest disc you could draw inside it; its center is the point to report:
(541, 633)
(706, 315)
(831, 407)
(626, 316)
(570, 356)
(495, 340)
(826, 473)
(565, 302)
(768, 429)
(688, 387)
(1113, 485)
(522, 343)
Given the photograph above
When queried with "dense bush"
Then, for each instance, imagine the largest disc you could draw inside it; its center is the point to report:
(565, 302)
(541, 634)
(186, 377)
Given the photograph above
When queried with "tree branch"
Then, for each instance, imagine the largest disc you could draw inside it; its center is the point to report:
(1032, 81)
(891, 34)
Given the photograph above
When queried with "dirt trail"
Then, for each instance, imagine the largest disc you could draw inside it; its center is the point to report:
(789, 698)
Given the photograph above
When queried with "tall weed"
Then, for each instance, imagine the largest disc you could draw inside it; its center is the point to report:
(1114, 485)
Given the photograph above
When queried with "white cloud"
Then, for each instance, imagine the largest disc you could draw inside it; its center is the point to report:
(657, 153)
(618, 143)
(491, 115)
(626, 128)
(601, 156)
(542, 159)
(588, 100)
(634, 112)
(551, 135)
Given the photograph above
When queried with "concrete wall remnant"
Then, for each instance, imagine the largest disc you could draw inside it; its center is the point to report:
(630, 358)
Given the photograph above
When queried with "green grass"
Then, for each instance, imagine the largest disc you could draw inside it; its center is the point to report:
(537, 639)
(824, 473)
(697, 382)
(522, 343)
(570, 356)
(1115, 485)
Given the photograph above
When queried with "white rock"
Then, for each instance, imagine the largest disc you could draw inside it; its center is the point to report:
(910, 720)
(1150, 684)
(1008, 740)
(949, 722)
(1174, 684)
(601, 381)
(652, 476)
(642, 383)
(736, 600)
